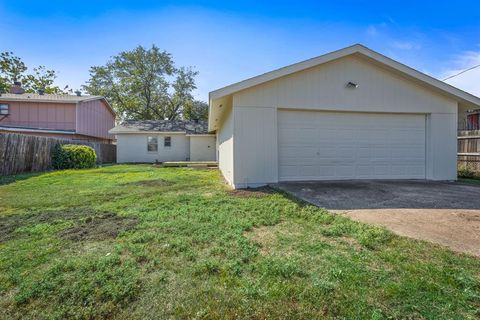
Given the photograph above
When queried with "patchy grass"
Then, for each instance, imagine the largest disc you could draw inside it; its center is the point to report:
(140, 242)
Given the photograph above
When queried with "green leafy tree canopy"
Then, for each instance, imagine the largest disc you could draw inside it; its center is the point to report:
(144, 84)
(13, 69)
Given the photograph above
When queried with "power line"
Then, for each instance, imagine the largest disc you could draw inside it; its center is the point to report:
(457, 74)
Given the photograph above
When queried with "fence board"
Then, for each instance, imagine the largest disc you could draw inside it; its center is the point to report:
(24, 153)
(469, 150)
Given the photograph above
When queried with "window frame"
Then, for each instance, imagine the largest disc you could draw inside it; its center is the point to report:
(4, 106)
(149, 143)
(169, 139)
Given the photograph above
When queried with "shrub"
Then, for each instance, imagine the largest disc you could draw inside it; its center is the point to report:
(71, 156)
(465, 172)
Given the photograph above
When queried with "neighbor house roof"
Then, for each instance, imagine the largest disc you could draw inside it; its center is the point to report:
(216, 97)
(60, 98)
(166, 126)
(51, 98)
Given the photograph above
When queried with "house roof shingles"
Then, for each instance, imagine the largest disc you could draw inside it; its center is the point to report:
(187, 126)
(66, 98)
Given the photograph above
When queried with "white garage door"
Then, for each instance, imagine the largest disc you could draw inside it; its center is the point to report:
(336, 146)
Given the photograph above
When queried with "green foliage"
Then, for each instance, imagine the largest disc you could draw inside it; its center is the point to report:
(144, 84)
(13, 69)
(200, 251)
(197, 110)
(466, 173)
(72, 156)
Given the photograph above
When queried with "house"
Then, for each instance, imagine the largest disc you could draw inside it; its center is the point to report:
(349, 114)
(76, 117)
(164, 140)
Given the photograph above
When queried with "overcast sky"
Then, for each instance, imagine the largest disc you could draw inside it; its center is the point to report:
(230, 41)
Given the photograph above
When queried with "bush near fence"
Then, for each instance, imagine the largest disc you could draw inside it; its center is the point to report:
(24, 153)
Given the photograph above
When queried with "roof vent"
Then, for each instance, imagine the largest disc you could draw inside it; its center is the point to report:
(78, 93)
(41, 91)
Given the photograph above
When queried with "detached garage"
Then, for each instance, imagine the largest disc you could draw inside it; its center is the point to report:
(349, 114)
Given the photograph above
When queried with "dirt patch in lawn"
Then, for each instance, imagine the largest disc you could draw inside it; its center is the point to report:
(101, 227)
(83, 218)
(8, 224)
(252, 192)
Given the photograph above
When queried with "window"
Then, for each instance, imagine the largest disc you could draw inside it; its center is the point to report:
(152, 144)
(4, 110)
(167, 142)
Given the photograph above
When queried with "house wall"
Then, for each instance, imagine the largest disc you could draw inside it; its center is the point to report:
(202, 148)
(94, 118)
(133, 148)
(42, 115)
(225, 147)
(323, 88)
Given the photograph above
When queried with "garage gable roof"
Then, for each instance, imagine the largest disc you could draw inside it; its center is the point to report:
(427, 80)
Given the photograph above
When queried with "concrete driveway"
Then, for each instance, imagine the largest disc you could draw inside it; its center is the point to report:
(440, 212)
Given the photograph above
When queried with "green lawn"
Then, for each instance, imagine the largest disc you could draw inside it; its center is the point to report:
(139, 242)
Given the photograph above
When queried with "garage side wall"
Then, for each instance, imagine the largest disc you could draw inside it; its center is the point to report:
(255, 149)
(442, 146)
(225, 147)
(324, 88)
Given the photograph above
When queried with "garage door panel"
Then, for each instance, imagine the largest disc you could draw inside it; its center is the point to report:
(329, 145)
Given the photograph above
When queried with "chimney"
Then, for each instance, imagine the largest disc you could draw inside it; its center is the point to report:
(78, 93)
(17, 88)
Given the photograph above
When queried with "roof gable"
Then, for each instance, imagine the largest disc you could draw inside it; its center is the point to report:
(217, 96)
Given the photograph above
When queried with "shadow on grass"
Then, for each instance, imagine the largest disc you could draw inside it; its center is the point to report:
(4, 180)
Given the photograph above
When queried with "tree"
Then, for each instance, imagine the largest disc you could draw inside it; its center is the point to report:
(42, 79)
(144, 84)
(198, 110)
(13, 69)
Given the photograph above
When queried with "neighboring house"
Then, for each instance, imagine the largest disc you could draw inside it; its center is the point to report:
(85, 118)
(349, 114)
(164, 140)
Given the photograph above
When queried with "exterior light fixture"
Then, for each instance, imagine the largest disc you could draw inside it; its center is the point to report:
(351, 85)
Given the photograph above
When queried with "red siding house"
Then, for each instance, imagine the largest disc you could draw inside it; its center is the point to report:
(76, 117)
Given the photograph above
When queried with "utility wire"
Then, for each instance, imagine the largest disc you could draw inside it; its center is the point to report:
(457, 74)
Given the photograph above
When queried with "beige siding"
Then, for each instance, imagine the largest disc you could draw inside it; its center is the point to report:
(225, 147)
(255, 146)
(133, 148)
(323, 88)
(202, 148)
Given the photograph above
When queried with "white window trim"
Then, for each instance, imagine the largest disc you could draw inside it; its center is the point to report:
(156, 137)
(8, 109)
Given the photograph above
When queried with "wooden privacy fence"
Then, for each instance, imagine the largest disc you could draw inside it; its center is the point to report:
(23, 153)
(469, 150)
